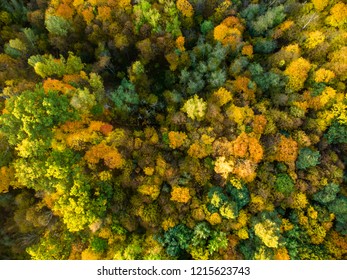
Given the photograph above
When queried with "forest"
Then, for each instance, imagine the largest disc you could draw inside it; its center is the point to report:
(173, 129)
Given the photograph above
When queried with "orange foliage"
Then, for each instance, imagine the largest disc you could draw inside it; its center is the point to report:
(56, 85)
(247, 50)
(6, 175)
(65, 11)
(180, 43)
(88, 15)
(176, 139)
(287, 150)
(246, 170)
(246, 146)
(214, 219)
(74, 78)
(106, 129)
(259, 124)
(282, 254)
(282, 28)
(104, 13)
(241, 85)
(112, 158)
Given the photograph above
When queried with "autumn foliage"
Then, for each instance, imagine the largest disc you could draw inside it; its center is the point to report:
(178, 129)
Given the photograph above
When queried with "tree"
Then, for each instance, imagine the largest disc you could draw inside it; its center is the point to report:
(195, 108)
(297, 72)
(33, 114)
(307, 158)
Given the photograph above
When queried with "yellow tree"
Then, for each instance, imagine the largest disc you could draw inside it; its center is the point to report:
(297, 72)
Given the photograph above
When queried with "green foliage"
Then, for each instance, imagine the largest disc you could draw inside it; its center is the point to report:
(271, 18)
(206, 26)
(33, 114)
(16, 8)
(339, 208)
(307, 158)
(98, 245)
(57, 25)
(56, 246)
(337, 133)
(177, 240)
(327, 194)
(284, 184)
(125, 98)
(48, 66)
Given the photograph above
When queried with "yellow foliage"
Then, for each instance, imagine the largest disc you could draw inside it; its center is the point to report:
(89, 254)
(185, 8)
(319, 5)
(105, 175)
(176, 139)
(297, 72)
(168, 223)
(257, 202)
(149, 171)
(236, 183)
(222, 96)
(199, 150)
(247, 50)
(227, 212)
(266, 232)
(294, 49)
(151, 190)
(312, 213)
(323, 76)
(229, 32)
(195, 108)
(340, 111)
(180, 194)
(223, 167)
(314, 38)
(240, 115)
(242, 233)
(286, 225)
(327, 95)
(299, 201)
(338, 15)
